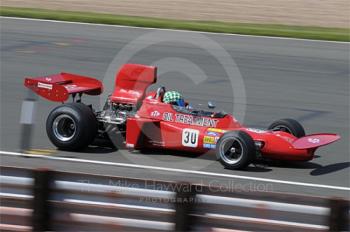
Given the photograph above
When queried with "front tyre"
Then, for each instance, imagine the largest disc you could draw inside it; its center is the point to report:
(235, 150)
(71, 126)
(288, 125)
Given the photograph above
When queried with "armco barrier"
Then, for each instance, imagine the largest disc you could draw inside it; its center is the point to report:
(42, 200)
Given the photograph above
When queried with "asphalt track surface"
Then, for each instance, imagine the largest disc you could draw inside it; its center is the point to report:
(305, 80)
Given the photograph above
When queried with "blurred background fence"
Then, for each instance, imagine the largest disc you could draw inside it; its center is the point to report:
(41, 200)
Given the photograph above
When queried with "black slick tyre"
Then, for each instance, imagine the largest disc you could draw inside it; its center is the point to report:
(235, 150)
(288, 125)
(71, 126)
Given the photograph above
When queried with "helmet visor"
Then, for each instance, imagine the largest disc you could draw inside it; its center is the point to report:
(180, 102)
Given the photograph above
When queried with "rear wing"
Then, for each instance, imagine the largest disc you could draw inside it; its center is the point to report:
(58, 87)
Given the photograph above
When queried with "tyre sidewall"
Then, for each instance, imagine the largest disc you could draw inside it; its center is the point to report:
(247, 145)
(85, 123)
(294, 126)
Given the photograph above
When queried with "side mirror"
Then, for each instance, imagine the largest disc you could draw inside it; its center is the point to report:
(211, 105)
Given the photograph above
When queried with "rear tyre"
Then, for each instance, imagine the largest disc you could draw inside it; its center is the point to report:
(235, 150)
(288, 125)
(71, 126)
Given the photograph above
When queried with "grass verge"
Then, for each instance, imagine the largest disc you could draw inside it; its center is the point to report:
(305, 32)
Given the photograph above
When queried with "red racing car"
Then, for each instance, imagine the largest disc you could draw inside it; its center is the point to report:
(145, 120)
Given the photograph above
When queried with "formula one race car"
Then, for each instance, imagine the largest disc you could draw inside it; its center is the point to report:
(146, 120)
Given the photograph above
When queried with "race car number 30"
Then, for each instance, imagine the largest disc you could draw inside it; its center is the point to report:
(190, 138)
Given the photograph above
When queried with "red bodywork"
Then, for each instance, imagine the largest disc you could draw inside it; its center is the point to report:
(157, 124)
(58, 87)
(132, 82)
(160, 125)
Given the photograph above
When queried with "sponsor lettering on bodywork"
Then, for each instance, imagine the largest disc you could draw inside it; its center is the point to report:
(259, 131)
(71, 86)
(209, 146)
(190, 120)
(44, 86)
(155, 113)
(216, 130)
(210, 141)
(195, 121)
(168, 117)
(313, 140)
(210, 133)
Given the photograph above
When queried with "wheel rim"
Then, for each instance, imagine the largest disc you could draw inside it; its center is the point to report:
(64, 127)
(282, 128)
(231, 150)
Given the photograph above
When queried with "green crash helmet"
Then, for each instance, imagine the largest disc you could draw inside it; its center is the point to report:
(173, 97)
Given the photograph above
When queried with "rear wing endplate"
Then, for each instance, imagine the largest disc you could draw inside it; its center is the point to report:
(58, 87)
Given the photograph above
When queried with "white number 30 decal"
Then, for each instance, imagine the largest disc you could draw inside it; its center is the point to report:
(190, 138)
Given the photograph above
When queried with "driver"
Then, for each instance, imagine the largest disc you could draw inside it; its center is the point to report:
(174, 98)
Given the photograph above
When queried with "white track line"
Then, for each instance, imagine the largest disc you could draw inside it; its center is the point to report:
(177, 30)
(8, 153)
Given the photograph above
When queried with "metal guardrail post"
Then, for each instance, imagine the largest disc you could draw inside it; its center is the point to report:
(27, 121)
(184, 206)
(41, 219)
(339, 215)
